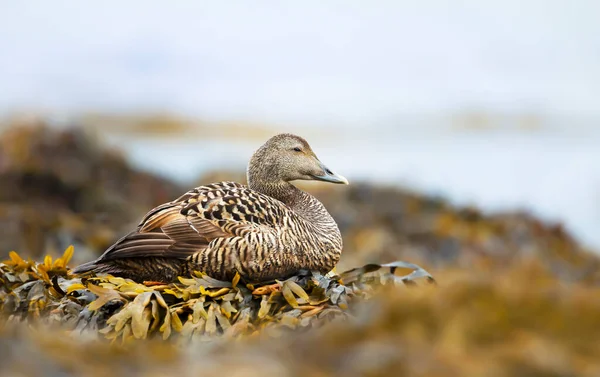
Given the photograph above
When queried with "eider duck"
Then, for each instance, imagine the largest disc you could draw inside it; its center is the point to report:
(267, 230)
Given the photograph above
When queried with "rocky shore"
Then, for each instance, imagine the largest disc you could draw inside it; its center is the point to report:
(516, 296)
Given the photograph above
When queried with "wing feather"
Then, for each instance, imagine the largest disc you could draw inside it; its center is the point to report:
(187, 225)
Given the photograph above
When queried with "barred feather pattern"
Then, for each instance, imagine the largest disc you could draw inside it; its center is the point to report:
(224, 228)
(268, 239)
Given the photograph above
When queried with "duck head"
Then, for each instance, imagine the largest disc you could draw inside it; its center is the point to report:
(287, 157)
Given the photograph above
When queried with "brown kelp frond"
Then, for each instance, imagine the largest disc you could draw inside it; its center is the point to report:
(197, 307)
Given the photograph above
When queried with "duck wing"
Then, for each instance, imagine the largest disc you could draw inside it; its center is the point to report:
(187, 225)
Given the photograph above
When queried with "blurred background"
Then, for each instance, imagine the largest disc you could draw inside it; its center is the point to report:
(494, 104)
(469, 130)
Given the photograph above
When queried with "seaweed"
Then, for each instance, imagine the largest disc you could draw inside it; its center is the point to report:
(195, 308)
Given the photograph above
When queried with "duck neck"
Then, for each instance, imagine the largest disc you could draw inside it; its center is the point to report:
(283, 191)
(298, 200)
(263, 177)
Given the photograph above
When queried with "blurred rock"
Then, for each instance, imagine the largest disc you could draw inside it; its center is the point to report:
(60, 187)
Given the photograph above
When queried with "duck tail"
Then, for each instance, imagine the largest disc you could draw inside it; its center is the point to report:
(85, 268)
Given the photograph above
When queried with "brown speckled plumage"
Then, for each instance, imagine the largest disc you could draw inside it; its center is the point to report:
(266, 230)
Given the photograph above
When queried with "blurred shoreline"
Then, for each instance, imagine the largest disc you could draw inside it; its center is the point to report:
(68, 186)
(513, 288)
(469, 132)
(495, 162)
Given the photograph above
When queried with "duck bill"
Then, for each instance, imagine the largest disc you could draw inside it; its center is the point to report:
(330, 176)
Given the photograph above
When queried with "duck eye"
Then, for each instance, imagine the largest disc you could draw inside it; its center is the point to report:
(297, 149)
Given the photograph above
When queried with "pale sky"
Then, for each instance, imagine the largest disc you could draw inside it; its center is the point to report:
(343, 62)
